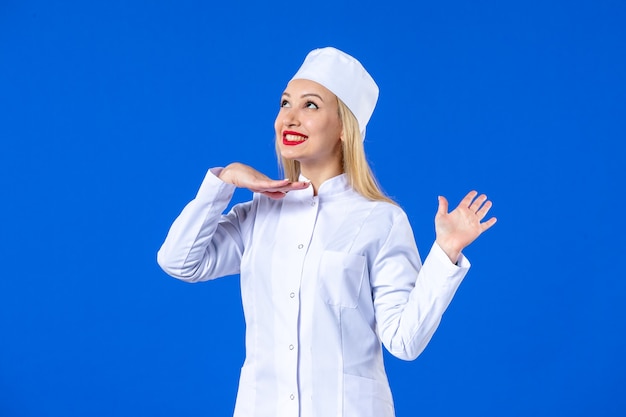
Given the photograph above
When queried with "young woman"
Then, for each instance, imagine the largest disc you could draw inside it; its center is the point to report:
(328, 264)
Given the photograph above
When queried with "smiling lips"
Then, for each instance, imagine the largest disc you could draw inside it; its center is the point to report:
(293, 138)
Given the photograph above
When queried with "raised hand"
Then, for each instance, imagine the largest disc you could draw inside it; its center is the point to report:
(245, 176)
(457, 229)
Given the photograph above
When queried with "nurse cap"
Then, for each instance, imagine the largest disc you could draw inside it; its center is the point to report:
(345, 77)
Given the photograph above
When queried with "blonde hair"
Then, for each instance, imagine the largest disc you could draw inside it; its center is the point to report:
(355, 164)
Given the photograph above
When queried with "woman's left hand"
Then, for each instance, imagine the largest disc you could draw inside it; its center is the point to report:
(457, 229)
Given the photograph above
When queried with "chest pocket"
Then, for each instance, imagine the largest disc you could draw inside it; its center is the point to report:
(341, 278)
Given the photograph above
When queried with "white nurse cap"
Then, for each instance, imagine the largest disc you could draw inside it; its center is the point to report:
(345, 77)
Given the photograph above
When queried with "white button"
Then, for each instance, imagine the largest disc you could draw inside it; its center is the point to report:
(312, 203)
(293, 294)
(300, 246)
(290, 347)
(292, 397)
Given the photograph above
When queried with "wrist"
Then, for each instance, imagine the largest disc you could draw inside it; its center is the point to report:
(450, 250)
(225, 174)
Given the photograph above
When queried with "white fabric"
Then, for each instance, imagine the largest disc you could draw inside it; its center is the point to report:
(324, 280)
(345, 77)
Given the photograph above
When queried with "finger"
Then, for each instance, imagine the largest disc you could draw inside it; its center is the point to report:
(268, 183)
(255, 183)
(277, 185)
(467, 200)
(300, 185)
(486, 225)
(276, 195)
(483, 210)
(443, 206)
(269, 191)
(477, 203)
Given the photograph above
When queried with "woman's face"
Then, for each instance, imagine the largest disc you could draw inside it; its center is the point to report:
(308, 128)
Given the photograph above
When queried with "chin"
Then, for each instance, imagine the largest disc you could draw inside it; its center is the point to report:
(288, 153)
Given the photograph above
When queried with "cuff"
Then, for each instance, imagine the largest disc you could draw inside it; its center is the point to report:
(213, 188)
(440, 255)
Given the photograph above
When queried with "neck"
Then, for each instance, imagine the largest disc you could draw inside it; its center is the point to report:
(318, 176)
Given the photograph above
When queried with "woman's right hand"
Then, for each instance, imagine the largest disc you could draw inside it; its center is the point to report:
(245, 176)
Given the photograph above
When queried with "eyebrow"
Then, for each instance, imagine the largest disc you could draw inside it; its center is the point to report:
(305, 95)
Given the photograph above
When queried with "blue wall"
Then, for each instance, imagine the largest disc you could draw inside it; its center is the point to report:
(111, 112)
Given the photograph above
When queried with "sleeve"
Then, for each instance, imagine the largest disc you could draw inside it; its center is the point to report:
(410, 298)
(202, 243)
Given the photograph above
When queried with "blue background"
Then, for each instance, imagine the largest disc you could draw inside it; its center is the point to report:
(111, 112)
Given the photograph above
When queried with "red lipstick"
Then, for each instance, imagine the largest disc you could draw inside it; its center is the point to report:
(293, 142)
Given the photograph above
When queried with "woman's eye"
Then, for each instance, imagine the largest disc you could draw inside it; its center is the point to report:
(284, 103)
(311, 105)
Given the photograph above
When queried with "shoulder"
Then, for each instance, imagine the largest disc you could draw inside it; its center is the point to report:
(384, 211)
(377, 210)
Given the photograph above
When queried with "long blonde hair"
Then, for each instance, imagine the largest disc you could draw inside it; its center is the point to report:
(355, 164)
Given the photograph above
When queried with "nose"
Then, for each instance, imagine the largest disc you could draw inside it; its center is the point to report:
(290, 117)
